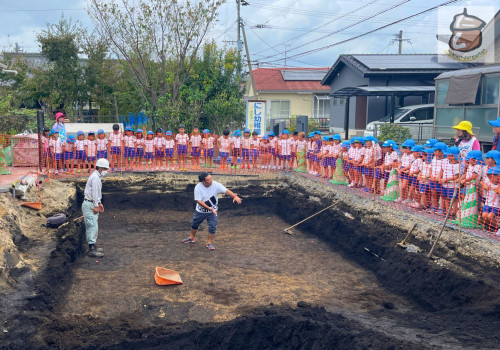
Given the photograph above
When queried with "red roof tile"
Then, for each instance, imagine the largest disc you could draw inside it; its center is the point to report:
(271, 79)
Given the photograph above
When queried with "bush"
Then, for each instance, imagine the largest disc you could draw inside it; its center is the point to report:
(394, 132)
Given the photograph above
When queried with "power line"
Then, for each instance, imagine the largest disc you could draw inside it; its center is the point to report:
(346, 27)
(371, 31)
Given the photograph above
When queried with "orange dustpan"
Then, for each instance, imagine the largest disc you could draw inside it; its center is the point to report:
(33, 205)
(165, 277)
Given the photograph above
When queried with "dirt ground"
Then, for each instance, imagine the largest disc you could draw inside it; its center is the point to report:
(339, 282)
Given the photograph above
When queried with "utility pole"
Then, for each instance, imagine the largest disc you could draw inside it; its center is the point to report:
(399, 39)
(248, 60)
(238, 40)
(285, 45)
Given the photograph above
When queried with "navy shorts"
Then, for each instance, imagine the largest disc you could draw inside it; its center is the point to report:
(129, 152)
(413, 181)
(116, 150)
(286, 157)
(148, 155)
(139, 153)
(159, 154)
(435, 186)
(68, 155)
(198, 218)
(424, 188)
(80, 155)
(236, 152)
(273, 151)
(91, 159)
(256, 153)
(245, 152)
(182, 149)
(447, 192)
(368, 171)
(169, 152)
(309, 155)
(224, 154)
(195, 151)
(403, 176)
(488, 209)
(59, 156)
(209, 153)
(102, 154)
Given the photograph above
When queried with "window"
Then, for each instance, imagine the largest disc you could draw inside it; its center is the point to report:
(442, 91)
(479, 118)
(449, 116)
(489, 89)
(280, 109)
(321, 107)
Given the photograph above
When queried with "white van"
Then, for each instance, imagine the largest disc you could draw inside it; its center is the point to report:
(417, 114)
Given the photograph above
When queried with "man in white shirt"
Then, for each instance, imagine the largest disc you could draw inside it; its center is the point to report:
(205, 195)
(92, 206)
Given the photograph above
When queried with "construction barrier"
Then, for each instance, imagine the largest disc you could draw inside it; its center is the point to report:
(423, 188)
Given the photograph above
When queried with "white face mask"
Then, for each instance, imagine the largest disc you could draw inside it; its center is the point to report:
(104, 173)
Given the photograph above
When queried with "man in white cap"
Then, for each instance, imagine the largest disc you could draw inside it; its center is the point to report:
(92, 205)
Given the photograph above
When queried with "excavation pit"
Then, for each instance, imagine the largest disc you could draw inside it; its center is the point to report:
(338, 282)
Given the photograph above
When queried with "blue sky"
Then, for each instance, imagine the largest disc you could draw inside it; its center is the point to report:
(294, 26)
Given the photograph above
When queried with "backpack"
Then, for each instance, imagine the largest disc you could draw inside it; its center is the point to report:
(56, 220)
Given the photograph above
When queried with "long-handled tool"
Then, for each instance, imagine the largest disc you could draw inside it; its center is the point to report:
(288, 229)
(430, 256)
(402, 244)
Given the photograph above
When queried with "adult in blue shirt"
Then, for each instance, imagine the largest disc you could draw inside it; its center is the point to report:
(496, 130)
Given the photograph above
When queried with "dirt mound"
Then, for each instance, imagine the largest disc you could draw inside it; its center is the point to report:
(269, 328)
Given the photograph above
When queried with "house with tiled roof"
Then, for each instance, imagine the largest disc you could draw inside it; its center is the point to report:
(290, 92)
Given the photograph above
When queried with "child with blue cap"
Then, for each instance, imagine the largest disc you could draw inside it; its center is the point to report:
(273, 142)
(391, 160)
(403, 170)
(434, 180)
(149, 149)
(69, 153)
(449, 179)
(368, 166)
(139, 148)
(80, 150)
(129, 143)
(115, 145)
(195, 143)
(474, 169)
(317, 144)
(159, 142)
(286, 147)
(491, 206)
(300, 150)
(415, 168)
(91, 151)
(359, 154)
(255, 148)
(424, 176)
(208, 148)
(169, 150)
(310, 152)
(265, 152)
(102, 144)
(430, 143)
(56, 150)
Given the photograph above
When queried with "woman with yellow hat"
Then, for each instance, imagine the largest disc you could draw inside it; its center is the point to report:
(465, 139)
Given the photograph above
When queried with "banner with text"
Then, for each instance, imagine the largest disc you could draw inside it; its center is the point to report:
(256, 116)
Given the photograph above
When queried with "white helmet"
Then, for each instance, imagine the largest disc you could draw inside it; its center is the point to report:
(102, 163)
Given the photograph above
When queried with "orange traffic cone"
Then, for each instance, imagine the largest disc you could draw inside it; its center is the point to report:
(164, 277)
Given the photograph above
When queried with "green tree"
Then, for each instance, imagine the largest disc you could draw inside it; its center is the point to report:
(394, 132)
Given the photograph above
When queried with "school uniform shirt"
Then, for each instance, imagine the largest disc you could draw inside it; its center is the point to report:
(102, 144)
(351, 152)
(56, 145)
(225, 144)
(310, 145)
(473, 169)
(336, 150)
(129, 141)
(492, 198)
(406, 160)
(169, 144)
(236, 142)
(390, 158)
(255, 143)
(358, 153)
(286, 147)
(195, 140)
(416, 166)
(449, 171)
(45, 143)
(115, 139)
(208, 195)
(182, 139)
(425, 172)
(273, 142)
(68, 147)
(377, 152)
(149, 146)
(246, 143)
(369, 153)
(91, 148)
(436, 166)
(208, 142)
(300, 145)
(80, 145)
(159, 143)
(140, 143)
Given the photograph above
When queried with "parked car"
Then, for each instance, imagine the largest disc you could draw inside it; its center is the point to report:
(416, 114)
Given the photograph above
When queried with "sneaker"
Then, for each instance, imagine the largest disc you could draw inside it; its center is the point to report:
(399, 200)
(210, 246)
(188, 240)
(351, 185)
(95, 254)
(56, 172)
